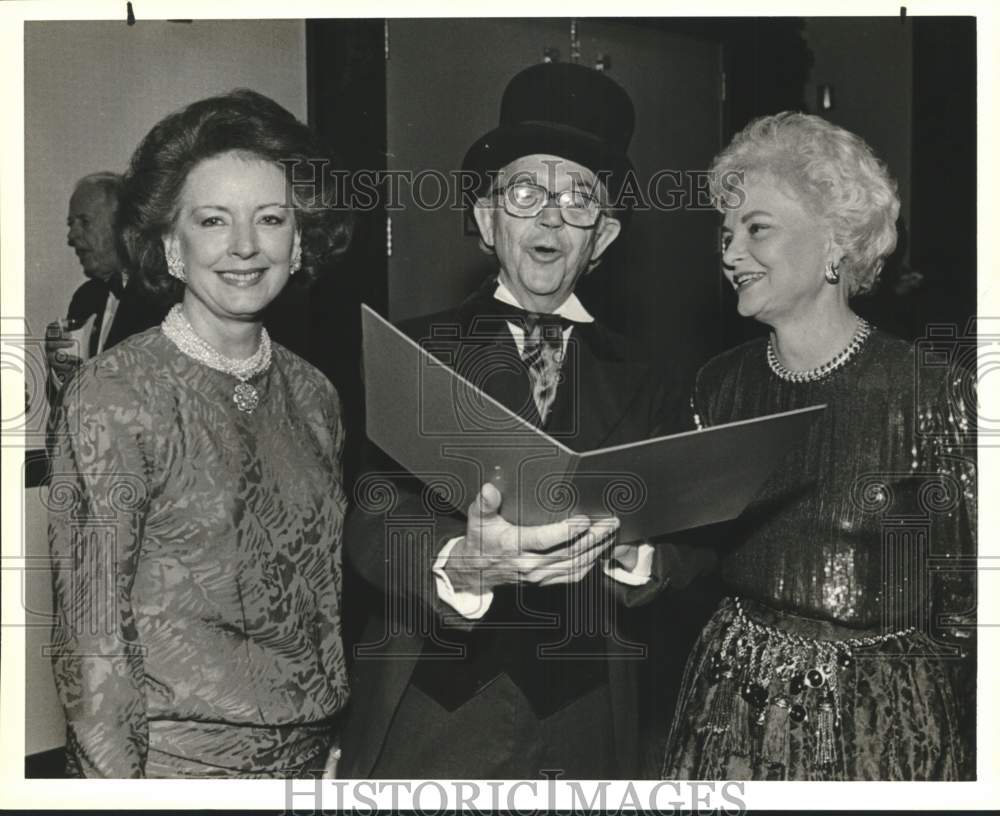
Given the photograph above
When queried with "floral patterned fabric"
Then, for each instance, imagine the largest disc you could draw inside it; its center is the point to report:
(868, 527)
(196, 559)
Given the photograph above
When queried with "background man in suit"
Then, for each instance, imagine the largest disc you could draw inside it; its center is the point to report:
(497, 651)
(104, 307)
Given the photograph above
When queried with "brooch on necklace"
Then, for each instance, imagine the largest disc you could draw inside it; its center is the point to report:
(246, 397)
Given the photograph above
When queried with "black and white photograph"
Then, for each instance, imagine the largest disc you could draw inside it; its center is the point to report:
(498, 412)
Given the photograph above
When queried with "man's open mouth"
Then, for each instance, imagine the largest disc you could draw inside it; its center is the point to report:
(544, 252)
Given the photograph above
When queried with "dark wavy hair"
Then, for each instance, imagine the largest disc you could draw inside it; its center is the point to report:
(248, 123)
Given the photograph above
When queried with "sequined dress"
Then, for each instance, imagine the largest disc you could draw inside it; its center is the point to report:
(196, 558)
(866, 530)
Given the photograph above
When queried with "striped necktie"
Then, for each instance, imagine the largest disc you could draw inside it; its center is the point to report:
(543, 356)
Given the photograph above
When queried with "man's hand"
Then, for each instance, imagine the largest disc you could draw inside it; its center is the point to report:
(60, 354)
(627, 555)
(495, 552)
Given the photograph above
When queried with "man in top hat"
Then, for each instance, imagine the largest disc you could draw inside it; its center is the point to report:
(498, 652)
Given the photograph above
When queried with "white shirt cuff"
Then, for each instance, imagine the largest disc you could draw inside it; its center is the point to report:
(469, 605)
(638, 576)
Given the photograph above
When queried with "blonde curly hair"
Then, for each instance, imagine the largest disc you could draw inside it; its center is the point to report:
(832, 171)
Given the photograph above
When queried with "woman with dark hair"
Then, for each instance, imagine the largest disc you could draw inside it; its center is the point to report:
(196, 501)
(844, 651)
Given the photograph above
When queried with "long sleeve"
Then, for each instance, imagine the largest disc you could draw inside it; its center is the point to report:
(946, 459)
(98, 492)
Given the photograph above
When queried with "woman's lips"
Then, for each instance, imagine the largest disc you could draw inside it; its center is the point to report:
(242, 277)
(741, 280)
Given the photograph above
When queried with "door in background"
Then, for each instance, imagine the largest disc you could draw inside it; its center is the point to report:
(660, 283)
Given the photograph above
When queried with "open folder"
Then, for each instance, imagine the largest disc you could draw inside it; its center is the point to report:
(455, 438)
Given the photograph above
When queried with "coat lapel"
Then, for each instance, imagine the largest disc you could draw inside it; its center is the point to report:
(489, 359)
(598, 387)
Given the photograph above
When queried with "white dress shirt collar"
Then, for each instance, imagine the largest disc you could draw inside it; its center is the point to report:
(571, 308)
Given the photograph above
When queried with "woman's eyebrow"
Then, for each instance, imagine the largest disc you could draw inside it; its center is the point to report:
(753, 214)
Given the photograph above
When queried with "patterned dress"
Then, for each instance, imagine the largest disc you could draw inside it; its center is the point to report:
(849, 652)
(196, 558)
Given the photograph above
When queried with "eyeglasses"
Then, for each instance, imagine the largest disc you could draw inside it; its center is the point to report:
(524, 200)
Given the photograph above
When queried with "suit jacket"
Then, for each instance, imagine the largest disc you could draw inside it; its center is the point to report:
(135, 313)
(605, 399)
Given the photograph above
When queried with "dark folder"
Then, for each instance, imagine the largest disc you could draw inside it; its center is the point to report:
(455, 438)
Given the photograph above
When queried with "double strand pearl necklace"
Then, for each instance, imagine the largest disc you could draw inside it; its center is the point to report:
(246, 397)
(813, 374)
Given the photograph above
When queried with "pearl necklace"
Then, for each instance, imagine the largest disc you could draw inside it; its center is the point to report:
(176, 327)
(861, 334)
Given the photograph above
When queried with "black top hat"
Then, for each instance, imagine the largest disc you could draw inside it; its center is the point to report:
(560, 109)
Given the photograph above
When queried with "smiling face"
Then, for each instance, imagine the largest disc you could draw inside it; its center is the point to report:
(541, 258)
(235, 237)
(774, 254)
(91, 223)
